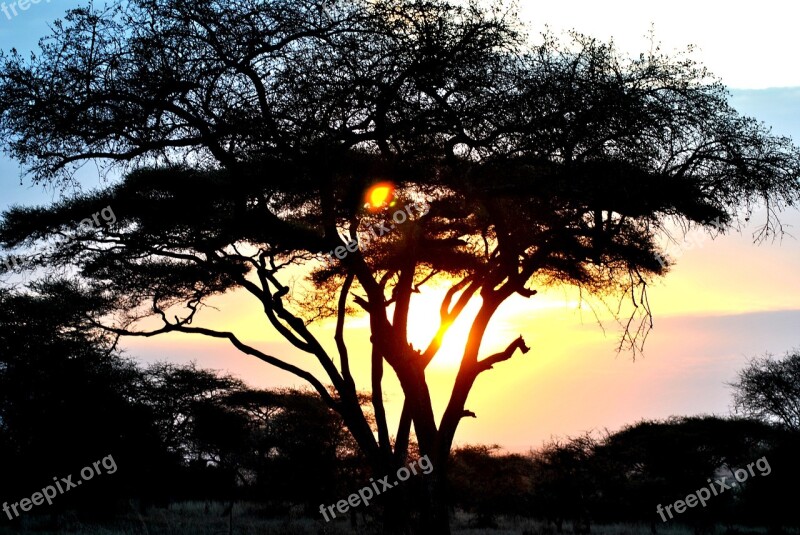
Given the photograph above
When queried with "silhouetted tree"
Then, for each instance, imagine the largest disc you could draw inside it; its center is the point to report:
(658, 462)
(769, 389)
(489, 483)
(177, 432)
(293, 438)
(66, 401)
(537, 165)
(564, 482)
(175, 394)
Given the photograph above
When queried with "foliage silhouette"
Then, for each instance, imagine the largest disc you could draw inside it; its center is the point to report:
(65, 401)
(769, 389)
(621, 477)
(67, 397)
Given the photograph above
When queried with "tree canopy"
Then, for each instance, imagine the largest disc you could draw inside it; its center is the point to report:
(769, 389)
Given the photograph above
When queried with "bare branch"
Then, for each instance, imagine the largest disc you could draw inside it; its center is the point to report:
(339, 336)
(244, 348)
(507, 353)
(377, 400)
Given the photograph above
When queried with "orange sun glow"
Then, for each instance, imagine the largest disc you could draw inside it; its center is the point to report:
(379, 195)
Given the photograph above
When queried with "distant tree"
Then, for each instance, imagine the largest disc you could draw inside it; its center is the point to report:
(489, 483)
(564, 482)
(304, 440)
(175, 394)
(66, 400)
(769, 389)
(229, 441)
(658, 462)
(554, 163)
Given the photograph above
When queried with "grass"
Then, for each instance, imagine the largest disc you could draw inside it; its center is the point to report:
(207, 518)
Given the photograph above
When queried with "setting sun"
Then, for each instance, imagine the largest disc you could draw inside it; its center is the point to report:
(423, 322)
(379, 195)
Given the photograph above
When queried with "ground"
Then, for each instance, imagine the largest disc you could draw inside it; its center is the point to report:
(202, 518)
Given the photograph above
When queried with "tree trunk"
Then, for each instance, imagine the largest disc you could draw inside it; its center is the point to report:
(396, 515)
(435, 519)
(426, 513)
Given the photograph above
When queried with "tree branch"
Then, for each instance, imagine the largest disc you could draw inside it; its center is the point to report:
(244, 348)
(490, 361)
(339, 336)
(377, 401)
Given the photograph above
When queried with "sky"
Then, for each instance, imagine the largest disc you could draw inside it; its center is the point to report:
(726, 300)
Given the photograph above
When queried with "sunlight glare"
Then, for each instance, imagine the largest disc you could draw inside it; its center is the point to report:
(379, 195)
(423, 322)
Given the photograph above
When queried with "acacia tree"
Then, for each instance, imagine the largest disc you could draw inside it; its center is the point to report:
(769, 390)
(250, 131)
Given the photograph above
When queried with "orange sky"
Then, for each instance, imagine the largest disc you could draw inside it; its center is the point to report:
(725, 301)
